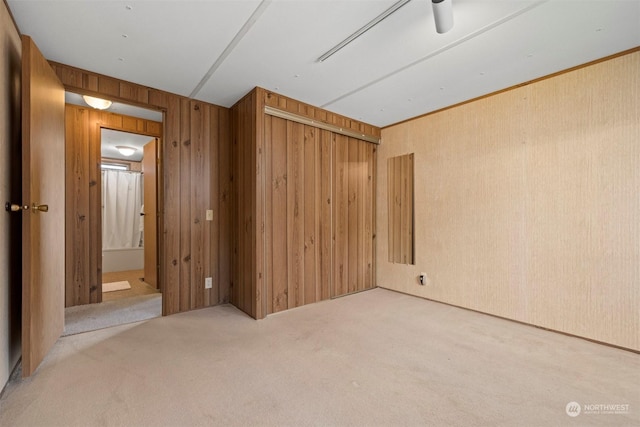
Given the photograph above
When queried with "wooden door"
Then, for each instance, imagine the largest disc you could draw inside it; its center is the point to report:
(43, 183)
(353, 216)
(150, 177)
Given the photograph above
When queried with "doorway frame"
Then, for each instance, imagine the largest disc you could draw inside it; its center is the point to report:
(83, 210)
(189, 125)
(158, 213)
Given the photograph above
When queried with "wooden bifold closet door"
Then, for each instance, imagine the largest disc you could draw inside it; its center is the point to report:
(319, 215)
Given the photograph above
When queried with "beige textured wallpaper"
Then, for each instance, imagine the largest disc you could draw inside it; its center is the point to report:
(528, 203)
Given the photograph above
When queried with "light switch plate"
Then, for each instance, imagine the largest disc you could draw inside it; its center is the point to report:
(209, 215)
(208, 283)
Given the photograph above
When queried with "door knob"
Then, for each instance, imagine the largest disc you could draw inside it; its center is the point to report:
(41, 208)
(12, 207)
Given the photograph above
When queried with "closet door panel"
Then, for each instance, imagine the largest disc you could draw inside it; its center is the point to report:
(279, 226)
(325, 225)
(295, 212)
(341, 216)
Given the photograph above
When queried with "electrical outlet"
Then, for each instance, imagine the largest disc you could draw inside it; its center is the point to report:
(209, 215)
(423, 279)
(208, 283)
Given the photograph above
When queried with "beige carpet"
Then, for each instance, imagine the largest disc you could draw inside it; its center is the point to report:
(90, 317)
(377, 358)
(116, 286)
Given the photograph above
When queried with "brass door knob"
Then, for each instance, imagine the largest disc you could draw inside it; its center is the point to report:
(41, 208)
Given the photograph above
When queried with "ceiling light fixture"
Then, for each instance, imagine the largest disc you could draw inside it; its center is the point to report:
(443, 15)
(375, 21)
(126, 151)
(97, 103)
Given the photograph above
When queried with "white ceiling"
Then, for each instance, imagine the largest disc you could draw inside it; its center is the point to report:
(218, 50)
(110, 139)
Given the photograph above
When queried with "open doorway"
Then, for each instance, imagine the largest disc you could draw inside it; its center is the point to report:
(112, 212)
(129, 226)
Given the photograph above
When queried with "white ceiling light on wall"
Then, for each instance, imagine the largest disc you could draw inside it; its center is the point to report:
(443, 15)
(126, 151)
(97, 103)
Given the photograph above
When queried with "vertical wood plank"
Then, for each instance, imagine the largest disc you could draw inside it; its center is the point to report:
(244, 286)
(309, 213)
(158, 98)
(186, 296)
(150, 202)
(241, 194)
(279, 214)
(317, 201)
(360, 204)
(108, 86)
(95, 210)
(235, 205)
(402, 232)
(199, 116)
(258, 304)
(90, 82)
(374, 204)
(248, 197)
(224, 206)
(268, 215)
(370, 208)
(134, 92)
(341, 218)
(295, 211)
(408, 210)
(77, 203)
(212, 235)
(391, 211)
(245, 263)
(353, 200)
(397, 208)
(326, 213)
(171, 166)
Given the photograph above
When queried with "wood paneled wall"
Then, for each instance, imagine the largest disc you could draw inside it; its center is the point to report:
(248, 260)
(527, 203)
(294, 245)
(196, 175)
(83, 256)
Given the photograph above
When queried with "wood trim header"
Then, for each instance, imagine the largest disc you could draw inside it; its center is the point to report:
(318, 124)
(318, 115)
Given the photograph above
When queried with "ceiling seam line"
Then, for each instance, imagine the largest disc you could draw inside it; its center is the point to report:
(362, 30)
(232, 45)
(437, 52)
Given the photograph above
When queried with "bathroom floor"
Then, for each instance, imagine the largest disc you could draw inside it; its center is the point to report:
(135, 279)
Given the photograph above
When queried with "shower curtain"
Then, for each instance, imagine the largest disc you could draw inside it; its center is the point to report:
(121, 203)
